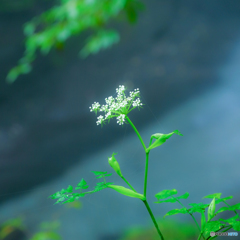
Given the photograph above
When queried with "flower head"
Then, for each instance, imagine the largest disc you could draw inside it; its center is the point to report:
(117, 107)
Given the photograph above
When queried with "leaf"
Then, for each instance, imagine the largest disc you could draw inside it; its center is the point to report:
(197, 207)
(168, 200)
(231, 208)
(63, 191)
(215, 195)
(82, 185)
(126, 191)
(230, 220)
(161, 138)
(165, 194)
(212, 227)
(69, 189)
(211, 209)
(114, 164)
(98, 173)
(102, 39)
(222, 209)
(185, 196)
(55, 195)
(236, 226)
(107, 175)
(223, 199)
(176, 211)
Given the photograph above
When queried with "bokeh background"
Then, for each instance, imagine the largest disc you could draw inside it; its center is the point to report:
(184, 57)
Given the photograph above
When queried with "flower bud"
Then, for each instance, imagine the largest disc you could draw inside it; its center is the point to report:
(114, 164)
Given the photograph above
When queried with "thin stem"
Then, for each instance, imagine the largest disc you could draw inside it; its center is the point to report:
(139, 136)
(146, 174)
(200, 236)
(190, 215)
(128, 184)
(153, 219)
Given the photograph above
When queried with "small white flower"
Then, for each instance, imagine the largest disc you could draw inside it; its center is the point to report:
(107, 115)
(121, 119)
(117, 107)
(137, 103)
(100, 120)
(104, 108)
(95, 106)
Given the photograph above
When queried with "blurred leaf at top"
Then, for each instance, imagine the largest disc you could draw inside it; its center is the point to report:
(71, 17)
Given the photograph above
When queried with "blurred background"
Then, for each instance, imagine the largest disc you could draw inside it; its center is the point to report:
(183, 56)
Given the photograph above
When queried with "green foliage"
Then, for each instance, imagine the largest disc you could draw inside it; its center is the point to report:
(121, 110)
(66, 196)
(115, 165)
(161, 138)
(127, 192)
(71, 17)
(207, 226)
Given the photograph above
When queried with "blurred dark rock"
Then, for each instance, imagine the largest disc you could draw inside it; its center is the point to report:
(171, 55)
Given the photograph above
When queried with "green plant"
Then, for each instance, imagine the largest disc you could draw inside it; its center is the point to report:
(120, 108)
(71, 17)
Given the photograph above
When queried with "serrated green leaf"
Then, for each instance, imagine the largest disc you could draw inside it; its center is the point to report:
(102, 39)
(55, 195)
(107, 175)
(223, 199)
(60, 199)
(215, 195)
(172, 200)
(161, 138)
(82, 185)
(98, 173)
(211, 209)
(231, 208)
(126, 191)
(236, 225)
(63, 191)
(230, 220)
(196, 209)
(100, 177)
(165, 194)
(212, 226)
(71, 199)
(176, 211)
(69, 189)
(201, 205)
(222, 209)
(235, 207)
(184, 196)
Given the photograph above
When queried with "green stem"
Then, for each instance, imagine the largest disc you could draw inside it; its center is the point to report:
(153, 219)
(139, 136)
(128, 184)
(146, 174)
(189, 214)
(145, 178)
(200, 236)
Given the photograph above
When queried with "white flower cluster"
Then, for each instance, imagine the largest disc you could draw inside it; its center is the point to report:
(117, 107)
